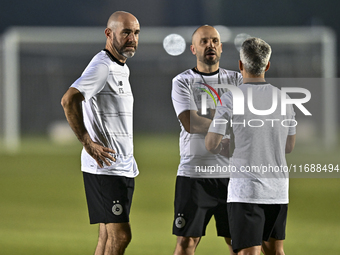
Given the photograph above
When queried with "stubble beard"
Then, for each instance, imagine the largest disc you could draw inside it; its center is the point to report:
(211, 62)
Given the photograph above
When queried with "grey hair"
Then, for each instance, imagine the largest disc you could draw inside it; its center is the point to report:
(255, 54)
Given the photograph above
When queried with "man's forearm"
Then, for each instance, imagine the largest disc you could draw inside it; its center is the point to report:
(213, 142)
(74, 117)
(202, 123)
(71, 103)
(73, 112)
(199, 125)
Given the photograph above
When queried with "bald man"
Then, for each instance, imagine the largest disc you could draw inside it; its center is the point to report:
(200, 192)
(98, 106)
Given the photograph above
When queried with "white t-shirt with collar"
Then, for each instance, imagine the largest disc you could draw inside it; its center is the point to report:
(108, 113)
(187, 91)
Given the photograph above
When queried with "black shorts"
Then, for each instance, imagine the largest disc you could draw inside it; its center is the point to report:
(250, 224)
(196, 201)
(108, 197)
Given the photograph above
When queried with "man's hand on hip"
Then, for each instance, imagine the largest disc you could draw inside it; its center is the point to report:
(100, 154)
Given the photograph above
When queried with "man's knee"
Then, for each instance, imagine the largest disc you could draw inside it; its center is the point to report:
(280, 252)
(119, 240)
(124, 237)
(187, 242)
(119, 235)
(273, 247)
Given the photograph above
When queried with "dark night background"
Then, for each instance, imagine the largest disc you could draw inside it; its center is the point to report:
(172, 13)
(76, 13)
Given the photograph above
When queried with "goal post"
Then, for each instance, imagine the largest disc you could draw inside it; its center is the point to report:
(15, 37)
(11, 63)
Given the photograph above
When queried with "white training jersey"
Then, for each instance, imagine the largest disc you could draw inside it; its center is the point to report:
(107, 112)
(188, 89)
(259, 172)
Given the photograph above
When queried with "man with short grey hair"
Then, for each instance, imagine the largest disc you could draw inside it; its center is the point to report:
(255, 54)
(257, 200)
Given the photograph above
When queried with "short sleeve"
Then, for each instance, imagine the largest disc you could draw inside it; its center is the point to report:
(182, 96)
(92, 80)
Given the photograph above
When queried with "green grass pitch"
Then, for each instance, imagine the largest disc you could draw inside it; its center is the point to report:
(43, 208)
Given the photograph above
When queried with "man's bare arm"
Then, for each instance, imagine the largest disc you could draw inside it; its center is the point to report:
(213, 143)
(193, 123)
(290, 143)
(71, 102)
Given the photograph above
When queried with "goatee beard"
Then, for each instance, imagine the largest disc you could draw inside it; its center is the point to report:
(128, 54)
(120, 50)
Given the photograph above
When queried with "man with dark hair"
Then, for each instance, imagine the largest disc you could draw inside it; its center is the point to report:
(257, 195)
(98, 107)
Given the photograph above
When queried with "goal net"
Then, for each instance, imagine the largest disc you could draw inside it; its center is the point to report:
(38, 64)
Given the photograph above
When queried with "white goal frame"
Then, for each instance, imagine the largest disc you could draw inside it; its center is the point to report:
(15, 36)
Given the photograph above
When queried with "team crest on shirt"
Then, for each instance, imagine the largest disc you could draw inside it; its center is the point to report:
(117, 208)
(180, 221)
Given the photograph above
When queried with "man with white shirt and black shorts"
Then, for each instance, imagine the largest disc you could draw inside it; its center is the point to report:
(257, 200)
(98, 107)
(200, 195)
